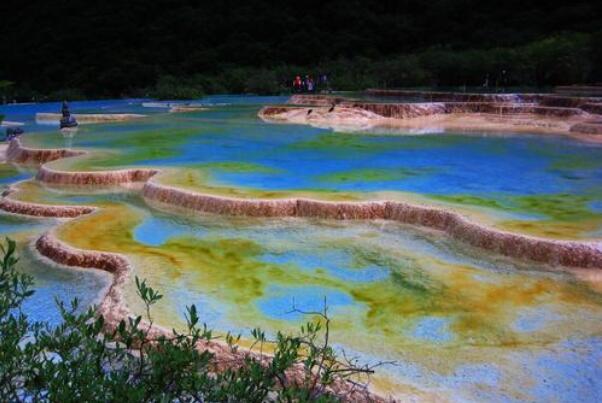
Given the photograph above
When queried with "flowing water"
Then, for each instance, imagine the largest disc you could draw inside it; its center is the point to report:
(459, 324)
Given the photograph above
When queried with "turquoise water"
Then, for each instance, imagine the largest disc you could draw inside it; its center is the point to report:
(51, 283)
(534, 177)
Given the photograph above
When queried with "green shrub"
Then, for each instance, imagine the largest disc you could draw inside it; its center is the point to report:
(79, 361)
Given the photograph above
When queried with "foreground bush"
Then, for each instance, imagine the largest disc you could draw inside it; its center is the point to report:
(79, 360)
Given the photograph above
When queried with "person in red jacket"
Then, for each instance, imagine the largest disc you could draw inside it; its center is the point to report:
(297, 83)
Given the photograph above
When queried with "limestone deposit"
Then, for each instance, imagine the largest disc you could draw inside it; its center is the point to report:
(521, 113)
(89, 118)
(24, 155)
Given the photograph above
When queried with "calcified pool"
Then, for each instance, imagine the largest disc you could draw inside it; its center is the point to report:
(460, 323)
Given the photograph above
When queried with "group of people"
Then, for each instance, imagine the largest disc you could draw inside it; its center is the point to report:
(307, 84)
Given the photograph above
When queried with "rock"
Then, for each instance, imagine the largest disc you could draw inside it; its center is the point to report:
(13, 132)
(67, 121)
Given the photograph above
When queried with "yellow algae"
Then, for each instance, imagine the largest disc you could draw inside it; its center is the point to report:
(202, 181)
(554, 229)
(233, 166)
(29, 191)
(372, 175)
(91, 161)
(7, 170)
(35, 192)
(559, 216)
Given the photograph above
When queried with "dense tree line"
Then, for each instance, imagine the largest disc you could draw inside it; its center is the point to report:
(112, 48)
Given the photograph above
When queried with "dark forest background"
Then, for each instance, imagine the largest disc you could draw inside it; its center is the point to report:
(184, 48)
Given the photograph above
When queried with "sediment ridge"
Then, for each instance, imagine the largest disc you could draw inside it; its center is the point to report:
(25, 155)
(591, 127)
(94, 178)
(43, 210)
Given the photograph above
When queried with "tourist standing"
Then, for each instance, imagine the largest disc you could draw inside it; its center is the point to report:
(309, 84)
(323, 82)
(297, 84)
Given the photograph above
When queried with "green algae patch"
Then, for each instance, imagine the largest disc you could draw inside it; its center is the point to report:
(136, 147)
(341, 143)
(566, 216)
(234, 166)
(575, 162)
(469, 200)
(406, 273)
(560, 207)
(560, 215)
(8, 170)
(554, 229)
(347, 143)
(201, 180)
(372, 175)
(151, 145)
(230, 264)
(32, 191)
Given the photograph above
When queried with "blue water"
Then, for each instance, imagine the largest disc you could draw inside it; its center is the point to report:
(7, 180)
(293, 303)
(301, 157)
(337, 263)
(433, 329)
(50, 282)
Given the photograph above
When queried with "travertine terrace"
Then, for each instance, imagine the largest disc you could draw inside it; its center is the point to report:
(452, 224)
(90, 118)
(579, 117)
(239, 215)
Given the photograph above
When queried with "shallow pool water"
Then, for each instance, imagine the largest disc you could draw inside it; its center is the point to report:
(444, 313)
(459, 325)
(51, 283)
